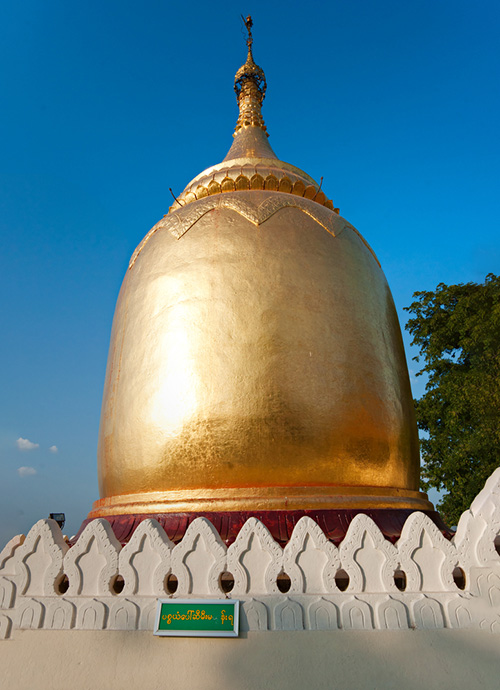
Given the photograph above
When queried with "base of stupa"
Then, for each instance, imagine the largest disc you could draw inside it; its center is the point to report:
(280, 523)
(261, 498)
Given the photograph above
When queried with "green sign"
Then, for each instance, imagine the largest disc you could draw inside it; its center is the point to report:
(197, 617)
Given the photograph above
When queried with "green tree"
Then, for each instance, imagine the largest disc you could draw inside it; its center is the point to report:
(457, 329)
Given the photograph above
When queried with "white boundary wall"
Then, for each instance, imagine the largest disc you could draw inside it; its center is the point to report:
(32, 569)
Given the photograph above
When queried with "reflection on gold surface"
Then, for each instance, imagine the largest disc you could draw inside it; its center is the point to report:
(166, 409)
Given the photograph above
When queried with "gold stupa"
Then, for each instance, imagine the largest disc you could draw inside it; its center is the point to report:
(256, 360)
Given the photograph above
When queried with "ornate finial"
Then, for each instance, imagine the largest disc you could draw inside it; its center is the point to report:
(250, 87)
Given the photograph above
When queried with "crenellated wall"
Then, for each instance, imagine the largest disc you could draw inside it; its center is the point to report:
(421, 582)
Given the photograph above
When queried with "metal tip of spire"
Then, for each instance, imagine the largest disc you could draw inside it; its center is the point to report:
(248, 22)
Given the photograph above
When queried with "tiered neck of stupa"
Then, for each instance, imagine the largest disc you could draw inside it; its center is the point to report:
(251, 163)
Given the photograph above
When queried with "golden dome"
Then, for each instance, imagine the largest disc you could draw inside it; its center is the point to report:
(256, 359)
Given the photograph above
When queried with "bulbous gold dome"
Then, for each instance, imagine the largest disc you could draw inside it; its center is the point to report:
(256, 359)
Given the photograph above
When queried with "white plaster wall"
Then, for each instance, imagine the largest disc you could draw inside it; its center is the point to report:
(413, 660)
(32, 569)
(372, 635)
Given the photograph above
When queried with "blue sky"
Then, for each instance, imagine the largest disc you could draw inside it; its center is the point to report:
(107, 105)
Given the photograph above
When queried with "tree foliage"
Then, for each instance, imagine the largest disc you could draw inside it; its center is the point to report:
(457, 329)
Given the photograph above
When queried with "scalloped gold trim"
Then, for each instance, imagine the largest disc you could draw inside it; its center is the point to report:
(256, 182)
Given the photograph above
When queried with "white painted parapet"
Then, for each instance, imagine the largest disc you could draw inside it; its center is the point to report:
(423, 581)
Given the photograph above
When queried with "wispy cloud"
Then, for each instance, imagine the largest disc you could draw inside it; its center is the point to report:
(53, 449)
(24, 444)
(26, 471)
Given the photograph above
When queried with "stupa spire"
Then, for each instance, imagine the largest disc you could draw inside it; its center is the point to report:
(250, 87)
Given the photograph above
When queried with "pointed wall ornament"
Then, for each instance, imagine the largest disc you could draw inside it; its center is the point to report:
(255, 560)
(288, 615)
(391, 614)
(30, 613)
(427, 613)
(7, 566)
(356, 614)
(368, 558)
(92, 615)
(479, 527)
(310, 559)
(322, 614)
(7, 593)
(144, 562)
(123, 615)
(39, 559)
(92, 563)
(60, 615)
(254, 615)
(199, 560)
(427, 558)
